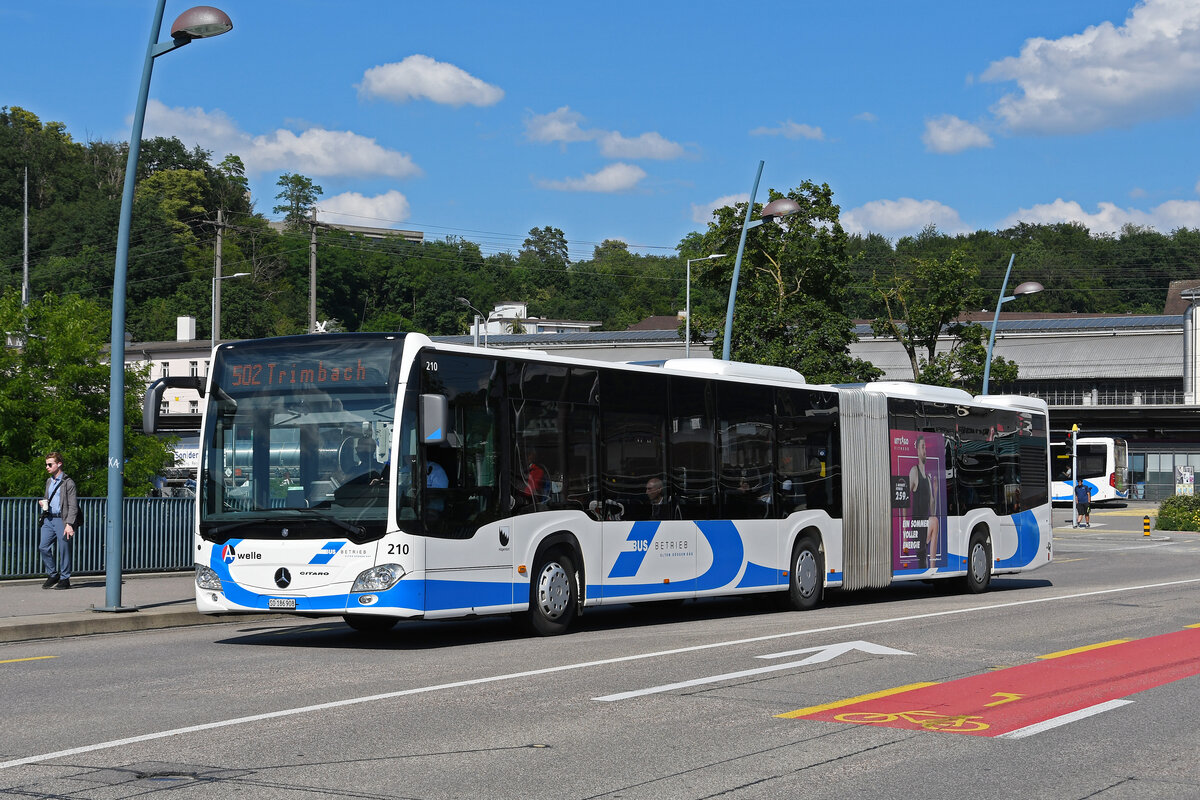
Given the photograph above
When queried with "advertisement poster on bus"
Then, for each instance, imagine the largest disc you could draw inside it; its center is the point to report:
(918, 500)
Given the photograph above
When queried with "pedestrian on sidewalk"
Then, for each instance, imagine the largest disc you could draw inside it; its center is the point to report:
(1083, 502)
(59, 519)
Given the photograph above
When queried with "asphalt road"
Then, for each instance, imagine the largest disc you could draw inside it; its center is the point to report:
(658, 702)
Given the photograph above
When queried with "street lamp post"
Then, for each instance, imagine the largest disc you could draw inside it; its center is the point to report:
(781, 207)
(216, 304)
(478, 316)
(687, 314)
(195, 23)
(1029, 287)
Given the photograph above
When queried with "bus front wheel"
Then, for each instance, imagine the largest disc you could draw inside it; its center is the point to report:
(807, 578)
(553, 595)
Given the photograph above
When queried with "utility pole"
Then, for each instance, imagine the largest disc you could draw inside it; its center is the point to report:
(216, 298)
(312, 275)
(25, 273)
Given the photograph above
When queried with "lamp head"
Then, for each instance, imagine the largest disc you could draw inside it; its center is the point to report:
(462, 301)
(200, 22)
(715, 255)
(1028, 287)
(779, 207)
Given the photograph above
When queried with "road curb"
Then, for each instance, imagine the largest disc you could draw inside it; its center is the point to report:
(57, 626)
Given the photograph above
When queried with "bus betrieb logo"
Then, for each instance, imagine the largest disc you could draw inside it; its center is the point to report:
(227, 554)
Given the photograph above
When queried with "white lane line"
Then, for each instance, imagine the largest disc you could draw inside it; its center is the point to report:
(1054, 722)
(568, 667)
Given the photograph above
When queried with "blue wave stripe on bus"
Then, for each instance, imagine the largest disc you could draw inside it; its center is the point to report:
(758, 575)
(728, 554)
(441, 595)
(1029, 539)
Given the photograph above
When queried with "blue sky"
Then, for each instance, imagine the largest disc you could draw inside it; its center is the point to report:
(631, 120)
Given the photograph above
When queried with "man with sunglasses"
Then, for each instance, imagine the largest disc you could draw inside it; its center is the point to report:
(60, 515)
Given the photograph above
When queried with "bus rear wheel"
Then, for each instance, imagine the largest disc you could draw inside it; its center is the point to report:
(553, 595)
(807, 579)
(364, 623)
(979, 565)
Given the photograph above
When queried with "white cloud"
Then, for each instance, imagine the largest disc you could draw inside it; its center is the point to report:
(1197, 187)
(866, 116)
(315, 151)
(703, 213)
(902, 217)
(791, 130)
(648, 145)
(1107, 76)
(323, 152)
(352, 208)
(949, 134)
(1109, 217)
(560, 125)
(616, 177)
(564, 125)
(421, 77)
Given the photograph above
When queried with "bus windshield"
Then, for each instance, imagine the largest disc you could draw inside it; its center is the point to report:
(297, 438)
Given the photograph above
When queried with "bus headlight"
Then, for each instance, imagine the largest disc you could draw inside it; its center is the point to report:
(378, 579)
(206, 578)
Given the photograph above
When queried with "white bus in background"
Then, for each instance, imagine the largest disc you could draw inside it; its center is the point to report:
(1102, 464)
(380, 477)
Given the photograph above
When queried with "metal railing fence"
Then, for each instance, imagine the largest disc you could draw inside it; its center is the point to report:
(158, 536)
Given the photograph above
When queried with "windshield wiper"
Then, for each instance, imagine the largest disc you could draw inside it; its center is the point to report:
(341, 523)
(241, 523)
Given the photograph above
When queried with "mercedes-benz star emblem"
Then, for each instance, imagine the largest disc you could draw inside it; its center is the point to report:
(283, 578)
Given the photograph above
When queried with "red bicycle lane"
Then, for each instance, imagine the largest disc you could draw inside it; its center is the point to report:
(1021, 700)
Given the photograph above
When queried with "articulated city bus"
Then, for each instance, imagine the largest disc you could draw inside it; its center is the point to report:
(1102, 464)
(380, 477)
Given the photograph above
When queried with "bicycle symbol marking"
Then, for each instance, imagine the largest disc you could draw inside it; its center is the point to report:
(929, 720)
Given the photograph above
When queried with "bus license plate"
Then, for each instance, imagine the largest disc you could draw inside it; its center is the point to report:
(281, 602)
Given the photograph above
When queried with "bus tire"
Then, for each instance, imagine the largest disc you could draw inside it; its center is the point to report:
(979, 564)
(553, 594)
(369, 623)
(806, 580)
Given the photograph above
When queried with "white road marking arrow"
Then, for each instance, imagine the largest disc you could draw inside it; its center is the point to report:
(824, 653)
(831, 651)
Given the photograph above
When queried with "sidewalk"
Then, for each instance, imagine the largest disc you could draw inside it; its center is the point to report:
(157, 600)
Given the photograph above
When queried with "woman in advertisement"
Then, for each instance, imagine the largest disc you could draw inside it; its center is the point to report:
(923, 512)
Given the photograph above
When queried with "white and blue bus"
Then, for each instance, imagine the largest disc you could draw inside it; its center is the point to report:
(380, 477)
(1101, 464)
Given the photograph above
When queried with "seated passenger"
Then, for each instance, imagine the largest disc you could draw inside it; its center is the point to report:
(660, 506)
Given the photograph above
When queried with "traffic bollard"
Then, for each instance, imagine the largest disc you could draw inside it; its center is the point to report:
(1146, 526)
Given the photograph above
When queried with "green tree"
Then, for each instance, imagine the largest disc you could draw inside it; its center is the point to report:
(923, 301)
(793, 284)
(962, 365)
(54, 396)
(299, 195)
(544, 252)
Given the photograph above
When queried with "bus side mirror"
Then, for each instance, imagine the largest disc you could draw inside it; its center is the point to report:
(435, 419)
(153, 398)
